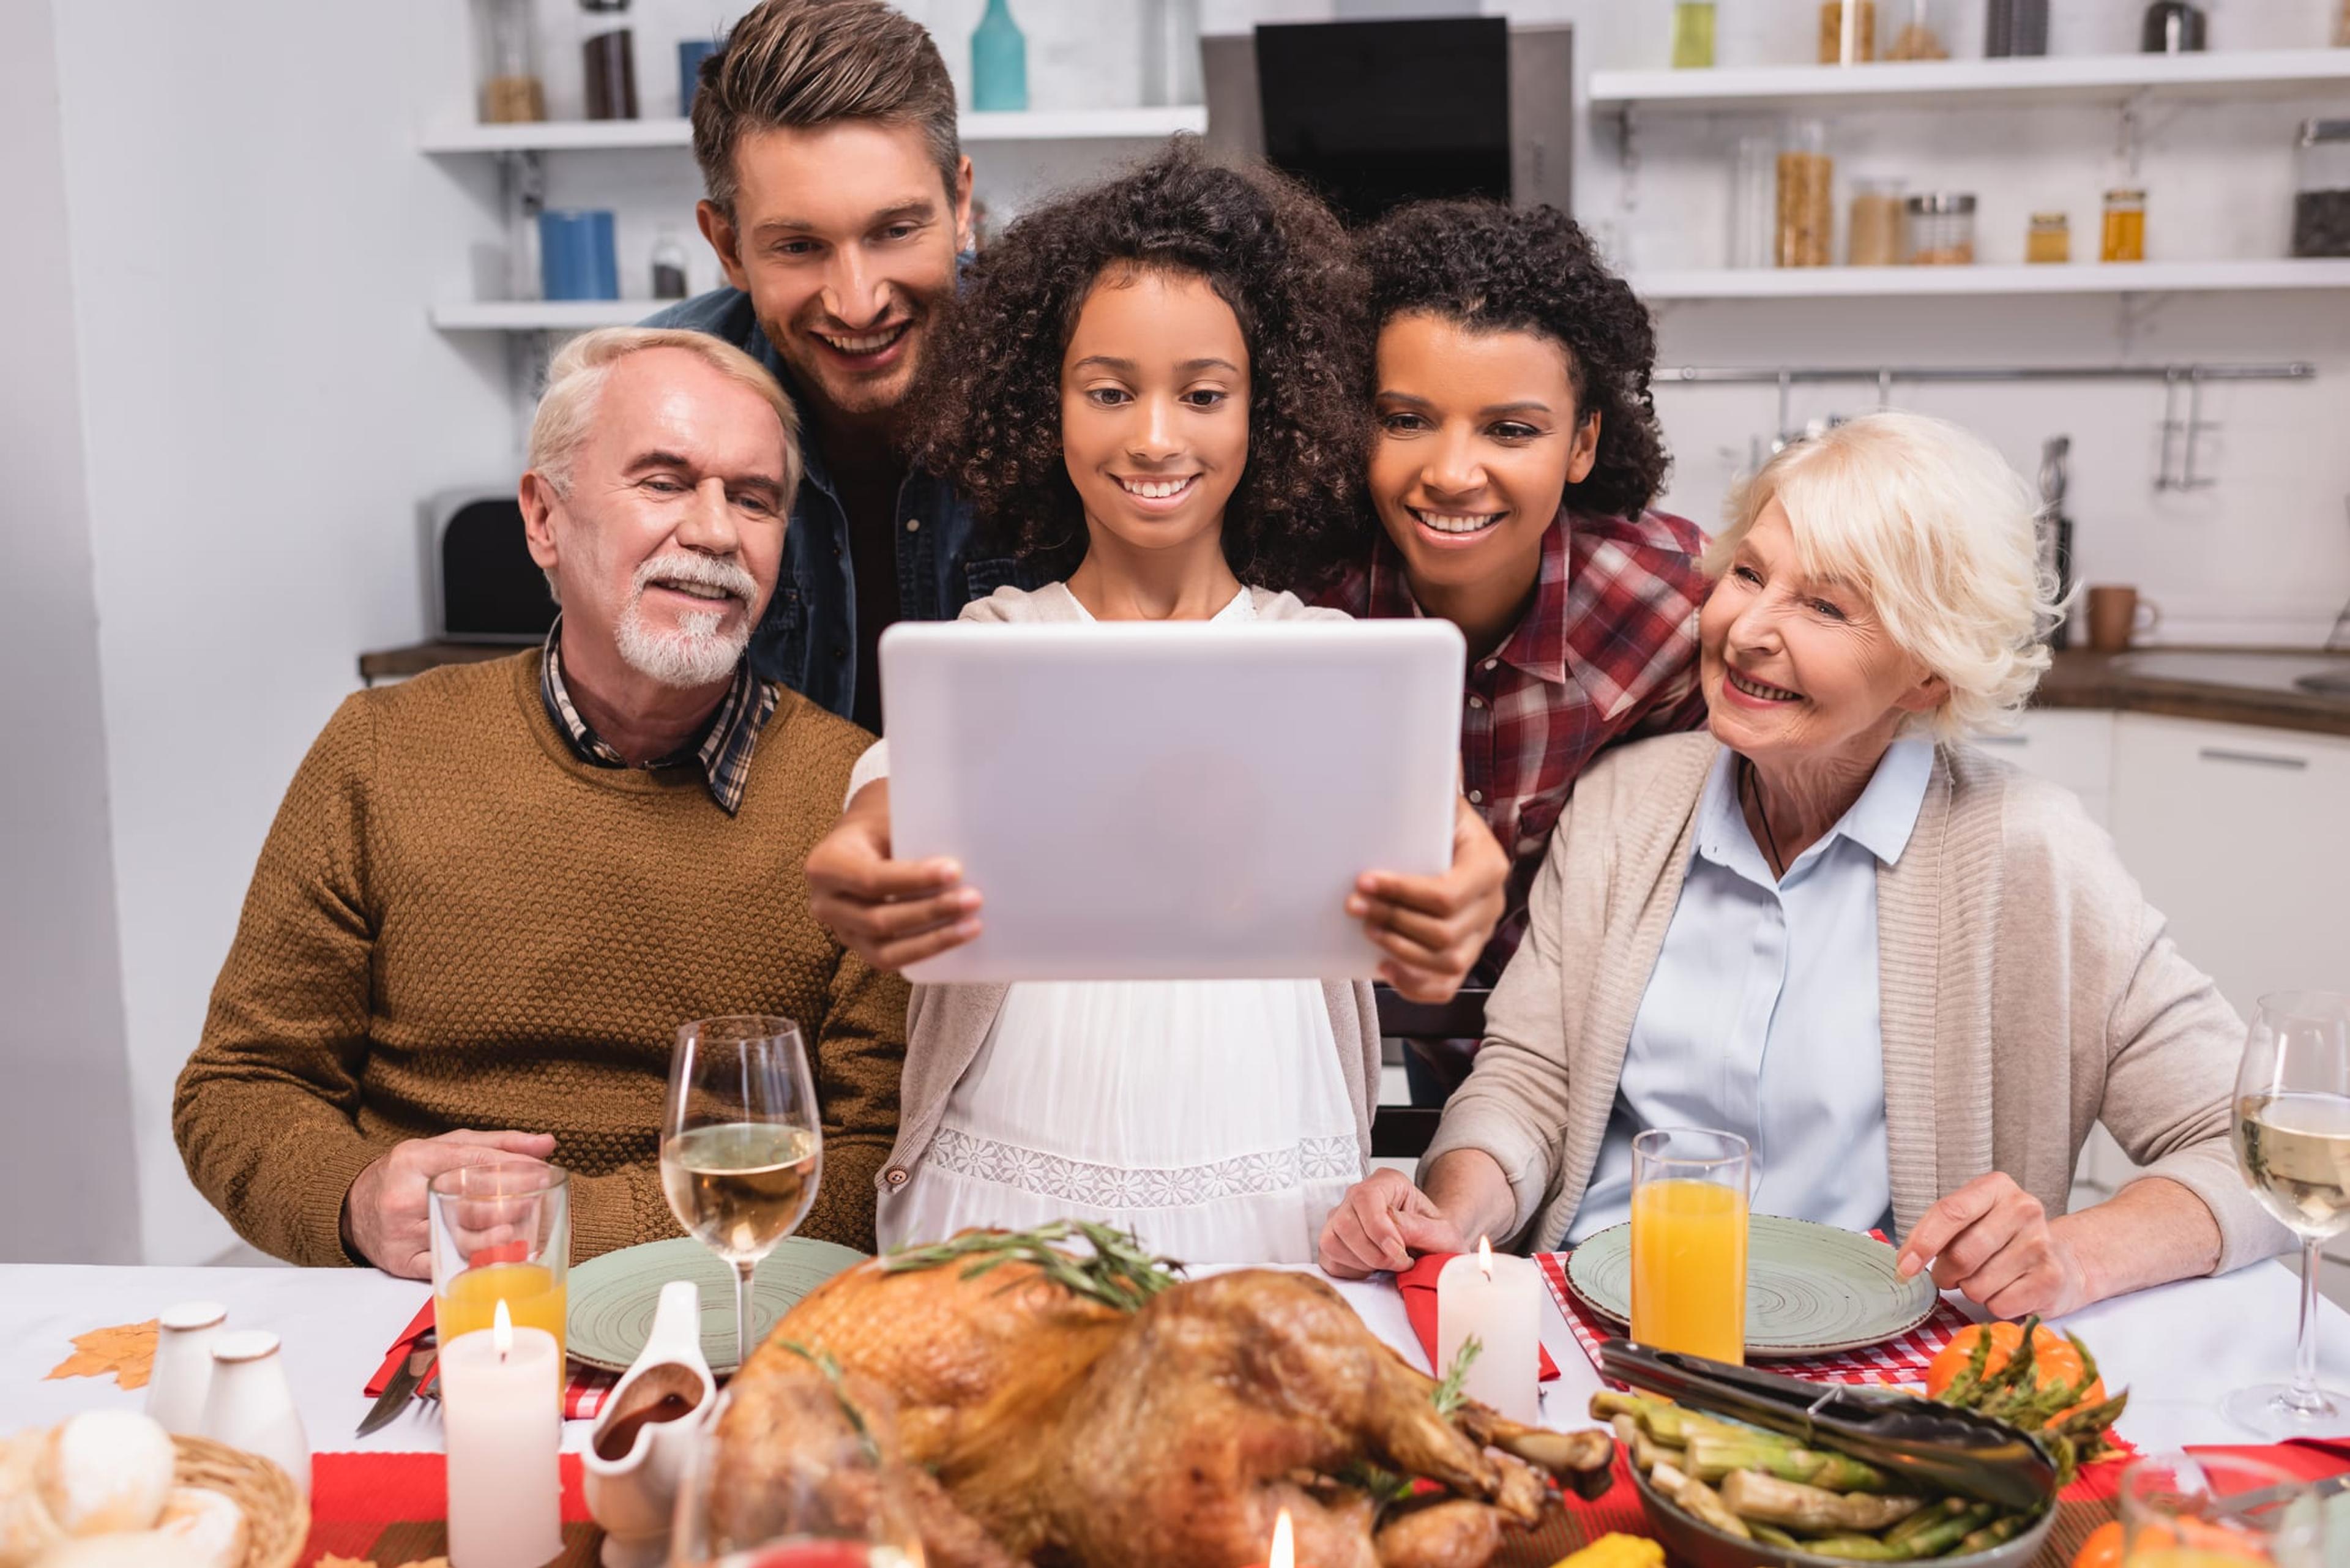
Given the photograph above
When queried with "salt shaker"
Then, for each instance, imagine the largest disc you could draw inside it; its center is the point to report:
(251, 1406)
(183, 1365)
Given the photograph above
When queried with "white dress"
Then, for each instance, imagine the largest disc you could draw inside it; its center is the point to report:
(1210, 1117)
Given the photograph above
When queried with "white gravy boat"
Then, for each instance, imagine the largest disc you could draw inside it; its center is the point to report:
(634, 1495)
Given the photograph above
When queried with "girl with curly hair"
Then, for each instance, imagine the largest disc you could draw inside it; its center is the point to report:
(1514, 450)
(1153, 387)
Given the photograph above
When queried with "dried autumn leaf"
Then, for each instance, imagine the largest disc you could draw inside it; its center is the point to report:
(126, 1351)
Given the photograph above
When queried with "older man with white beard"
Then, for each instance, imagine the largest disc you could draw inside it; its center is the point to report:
(493, 894)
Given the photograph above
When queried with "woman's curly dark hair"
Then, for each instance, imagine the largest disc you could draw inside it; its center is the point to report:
(1496, 268)
(987, 415)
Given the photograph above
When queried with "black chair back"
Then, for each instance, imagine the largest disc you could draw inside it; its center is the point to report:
(1404, 1132)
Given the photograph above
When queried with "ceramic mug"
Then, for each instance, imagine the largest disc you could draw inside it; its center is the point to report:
(2117, 618)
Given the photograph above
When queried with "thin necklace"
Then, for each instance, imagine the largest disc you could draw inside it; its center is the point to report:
(1770, 839)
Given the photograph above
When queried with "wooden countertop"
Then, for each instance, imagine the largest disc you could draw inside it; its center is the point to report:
(2081, 679)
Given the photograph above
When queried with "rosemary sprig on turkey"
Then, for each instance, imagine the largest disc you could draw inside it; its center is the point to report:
(1119, 1273)
(1447, 1395)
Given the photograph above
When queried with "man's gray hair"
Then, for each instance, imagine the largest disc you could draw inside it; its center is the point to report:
(566, 409)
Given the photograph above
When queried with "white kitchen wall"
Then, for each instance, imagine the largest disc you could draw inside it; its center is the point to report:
(252, 238)
(250, 242)
(65, 1108)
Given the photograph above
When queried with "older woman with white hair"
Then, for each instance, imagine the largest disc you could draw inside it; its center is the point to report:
(1910, 976)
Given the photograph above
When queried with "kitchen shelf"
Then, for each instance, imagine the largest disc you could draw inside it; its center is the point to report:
(543, 315)
(1909, 84)
(1750, 282)
(620, 135)
(2088, 277)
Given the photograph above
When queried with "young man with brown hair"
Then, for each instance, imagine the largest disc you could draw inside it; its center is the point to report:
(837, 200)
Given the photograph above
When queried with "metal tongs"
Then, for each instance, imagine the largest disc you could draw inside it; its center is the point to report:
(1936, 1446)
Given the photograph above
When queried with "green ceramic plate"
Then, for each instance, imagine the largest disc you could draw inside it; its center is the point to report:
(614, 1297)
(1811, 1290)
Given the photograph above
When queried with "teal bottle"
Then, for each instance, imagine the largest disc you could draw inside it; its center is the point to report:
(998, 61)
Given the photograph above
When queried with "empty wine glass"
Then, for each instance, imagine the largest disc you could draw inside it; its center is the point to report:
(814, 1504)
(742, 1143)
(2218, 1509)
(2292, 1132)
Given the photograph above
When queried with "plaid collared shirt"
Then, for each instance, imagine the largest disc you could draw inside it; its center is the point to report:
(723, 753)
(1606, 653)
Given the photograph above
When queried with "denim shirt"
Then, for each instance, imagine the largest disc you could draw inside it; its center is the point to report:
(808, 638)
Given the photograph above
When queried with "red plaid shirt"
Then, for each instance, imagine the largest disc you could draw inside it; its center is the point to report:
(1606, 653)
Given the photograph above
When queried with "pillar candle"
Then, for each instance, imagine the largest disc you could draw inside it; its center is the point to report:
(501, 1390)
(1496, 1300)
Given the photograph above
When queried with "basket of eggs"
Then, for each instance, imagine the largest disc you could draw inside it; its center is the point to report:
(111, 1489)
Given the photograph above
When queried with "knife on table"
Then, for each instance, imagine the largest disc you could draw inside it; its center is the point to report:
(403, 1384)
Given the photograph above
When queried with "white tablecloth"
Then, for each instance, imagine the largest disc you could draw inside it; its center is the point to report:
(2178, 1350)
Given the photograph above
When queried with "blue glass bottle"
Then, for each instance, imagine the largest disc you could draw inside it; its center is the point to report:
(998, 61)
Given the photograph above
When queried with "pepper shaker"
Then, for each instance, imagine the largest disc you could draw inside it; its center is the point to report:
(250, 1405)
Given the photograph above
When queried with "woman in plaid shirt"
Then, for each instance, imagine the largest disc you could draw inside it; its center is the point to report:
(1514, 452)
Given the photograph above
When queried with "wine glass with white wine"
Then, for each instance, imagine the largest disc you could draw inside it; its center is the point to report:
(741, 1144)
(2292, 1130)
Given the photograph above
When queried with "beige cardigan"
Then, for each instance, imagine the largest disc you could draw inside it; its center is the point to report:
(2027, 992)
(946, 1024)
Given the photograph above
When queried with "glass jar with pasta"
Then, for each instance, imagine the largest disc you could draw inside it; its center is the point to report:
(1873, 231)
(1846, 40)
(1806, 225)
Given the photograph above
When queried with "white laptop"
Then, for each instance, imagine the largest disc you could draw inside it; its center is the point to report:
(1183, 802)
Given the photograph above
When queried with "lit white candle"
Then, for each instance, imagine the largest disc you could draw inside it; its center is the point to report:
(500, 1395)
(1497, 1302)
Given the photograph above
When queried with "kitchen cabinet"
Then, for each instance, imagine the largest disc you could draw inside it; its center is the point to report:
(2072, 747)
(2240, 836)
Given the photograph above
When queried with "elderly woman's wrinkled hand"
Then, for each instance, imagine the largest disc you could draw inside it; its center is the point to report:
(1383, 1223)
(1433, 929)
(1991, 1241)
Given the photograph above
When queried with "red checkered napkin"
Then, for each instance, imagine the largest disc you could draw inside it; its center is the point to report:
(1901, 1359)
(584, 1391)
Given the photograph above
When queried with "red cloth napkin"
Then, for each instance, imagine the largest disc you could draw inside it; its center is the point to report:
(584, 1389)
(1902, 1359)
(1418, 1284)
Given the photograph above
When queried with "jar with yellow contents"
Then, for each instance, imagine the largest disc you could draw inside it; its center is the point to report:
(2125, 226)
(2049, 240)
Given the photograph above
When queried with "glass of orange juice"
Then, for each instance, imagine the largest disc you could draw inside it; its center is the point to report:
(1690, 1186)
(501, 1233)
(2218, 1510)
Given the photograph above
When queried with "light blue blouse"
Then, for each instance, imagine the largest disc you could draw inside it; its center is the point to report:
(1761, 1018)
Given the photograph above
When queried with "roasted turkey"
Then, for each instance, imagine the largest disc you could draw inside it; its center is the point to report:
(1050, 1408)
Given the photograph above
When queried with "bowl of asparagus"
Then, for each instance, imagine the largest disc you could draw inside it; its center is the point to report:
(1723, 1494)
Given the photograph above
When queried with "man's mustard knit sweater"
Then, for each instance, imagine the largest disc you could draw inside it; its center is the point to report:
(456, 923)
